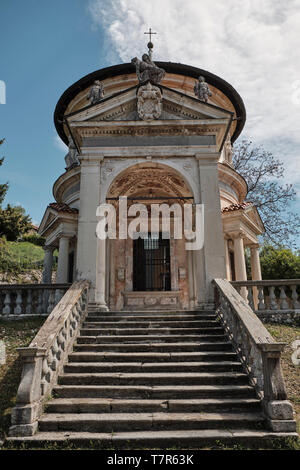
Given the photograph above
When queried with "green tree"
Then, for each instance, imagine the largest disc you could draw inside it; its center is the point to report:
(13, 220)
(279, 263)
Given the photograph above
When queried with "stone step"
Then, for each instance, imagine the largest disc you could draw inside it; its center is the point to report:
(118, 422)
(148, 318)
(155, 347)
(154, 323)
(184, 439)
(92, 331)
(149, 357)
(148, 339)
(151, 312)
(154, 392)
(162, 378)
(110, 405)
(90, 367)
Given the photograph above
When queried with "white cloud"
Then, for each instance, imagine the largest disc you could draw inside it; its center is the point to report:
(252, 44)
(58, 143)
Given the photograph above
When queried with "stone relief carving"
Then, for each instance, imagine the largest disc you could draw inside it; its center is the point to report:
(71, 158)
(147, 71)
(202, 90)
(149, 104)
(96, 92)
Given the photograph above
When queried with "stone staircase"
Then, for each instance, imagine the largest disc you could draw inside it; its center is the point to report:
(153, 379)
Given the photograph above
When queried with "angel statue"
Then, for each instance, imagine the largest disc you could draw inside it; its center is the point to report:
(147, 71)
(96, 92)
(202, 90)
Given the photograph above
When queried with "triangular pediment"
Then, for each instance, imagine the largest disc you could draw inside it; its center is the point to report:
(181, 120)
(123, 107)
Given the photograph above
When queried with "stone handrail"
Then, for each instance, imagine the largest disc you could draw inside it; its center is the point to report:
(19, 300)
(45, 357)
(261, 295)
(259, 353)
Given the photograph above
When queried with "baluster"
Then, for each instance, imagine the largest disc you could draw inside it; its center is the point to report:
(296, 304)
(18, 307)
(238, 288)
(29, 302)
(283, 303)
(250, 298)
(57, 296)
(7, 302)
(273, 302)
(261, 298)
(45, 376)
(40, 301)
(55, 351)
(51, 301)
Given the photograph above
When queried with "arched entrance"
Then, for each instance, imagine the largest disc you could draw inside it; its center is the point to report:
(146, 269)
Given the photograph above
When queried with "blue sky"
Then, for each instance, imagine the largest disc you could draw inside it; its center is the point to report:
(45, 47)
(48, 45)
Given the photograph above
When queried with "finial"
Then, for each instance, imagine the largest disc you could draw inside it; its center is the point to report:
(150, 43)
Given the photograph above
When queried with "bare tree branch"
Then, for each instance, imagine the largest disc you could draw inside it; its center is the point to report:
(263, 174)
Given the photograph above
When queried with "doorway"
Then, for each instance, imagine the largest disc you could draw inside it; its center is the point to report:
(151, 264)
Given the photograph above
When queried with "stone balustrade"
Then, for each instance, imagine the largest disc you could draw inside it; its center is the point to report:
(276, 300)
(43, 360)
(259, 353)
(19, 300)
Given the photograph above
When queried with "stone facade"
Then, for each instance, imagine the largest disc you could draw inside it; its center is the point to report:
(145, 141)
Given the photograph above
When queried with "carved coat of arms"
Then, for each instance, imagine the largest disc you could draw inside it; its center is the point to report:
(149, 102)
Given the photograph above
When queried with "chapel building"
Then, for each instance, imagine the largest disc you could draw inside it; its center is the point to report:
(152, 133)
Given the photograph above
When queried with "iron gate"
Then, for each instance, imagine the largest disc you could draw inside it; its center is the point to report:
(151, 264)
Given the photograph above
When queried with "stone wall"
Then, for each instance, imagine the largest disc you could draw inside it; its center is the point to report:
(291, 318)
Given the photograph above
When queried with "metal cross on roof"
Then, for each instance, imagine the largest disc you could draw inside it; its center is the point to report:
(150, 32)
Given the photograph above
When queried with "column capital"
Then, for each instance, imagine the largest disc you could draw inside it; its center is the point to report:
(49, 248)
(235, 235)
(65, 235)
(254, 246)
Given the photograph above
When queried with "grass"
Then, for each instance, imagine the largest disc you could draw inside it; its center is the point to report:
(288, 334)
(15, 334)
(25, 252)
(20, 333)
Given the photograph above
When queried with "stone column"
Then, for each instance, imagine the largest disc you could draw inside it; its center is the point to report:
(87, 222)
(213, 250)
(48, 262)
(63, 260)
(255, 270)
(227, 260)
(100, 290)
(239, 262)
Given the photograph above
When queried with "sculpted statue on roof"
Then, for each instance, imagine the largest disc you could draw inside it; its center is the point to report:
(147, 71)
(96, 92)
(202, 90)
